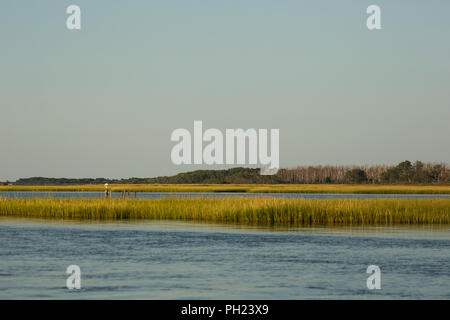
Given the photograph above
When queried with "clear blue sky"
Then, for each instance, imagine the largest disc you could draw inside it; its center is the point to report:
(103, 101)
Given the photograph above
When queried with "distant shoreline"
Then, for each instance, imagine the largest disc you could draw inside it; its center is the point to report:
(406, 172)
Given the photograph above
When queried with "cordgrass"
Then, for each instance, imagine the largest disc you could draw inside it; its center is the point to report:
(254, 211)
(248, 188)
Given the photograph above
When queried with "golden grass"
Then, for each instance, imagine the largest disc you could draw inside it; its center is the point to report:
(248, 188)
(262, 211)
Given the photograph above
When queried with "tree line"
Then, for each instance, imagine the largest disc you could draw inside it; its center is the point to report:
(403, 173)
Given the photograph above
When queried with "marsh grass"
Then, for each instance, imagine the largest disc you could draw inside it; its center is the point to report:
(258, 211)
(248, 188)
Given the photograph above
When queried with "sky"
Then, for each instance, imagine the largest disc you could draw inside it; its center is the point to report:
(103, 101)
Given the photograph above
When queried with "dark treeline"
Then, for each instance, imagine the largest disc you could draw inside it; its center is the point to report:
(404, 173)
(234, 175)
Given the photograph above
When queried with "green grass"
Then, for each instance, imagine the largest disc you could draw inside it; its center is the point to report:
(260, 211)
(249, 188)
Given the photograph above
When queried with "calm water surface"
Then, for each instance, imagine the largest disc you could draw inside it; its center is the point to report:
(170, 260)
(158, 195)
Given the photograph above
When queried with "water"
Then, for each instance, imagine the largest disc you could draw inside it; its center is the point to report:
(174, 260)
(158, 195)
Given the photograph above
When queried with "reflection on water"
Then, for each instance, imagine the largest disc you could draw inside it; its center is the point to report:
(163, 195)
(409, 231)
(176, 260)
